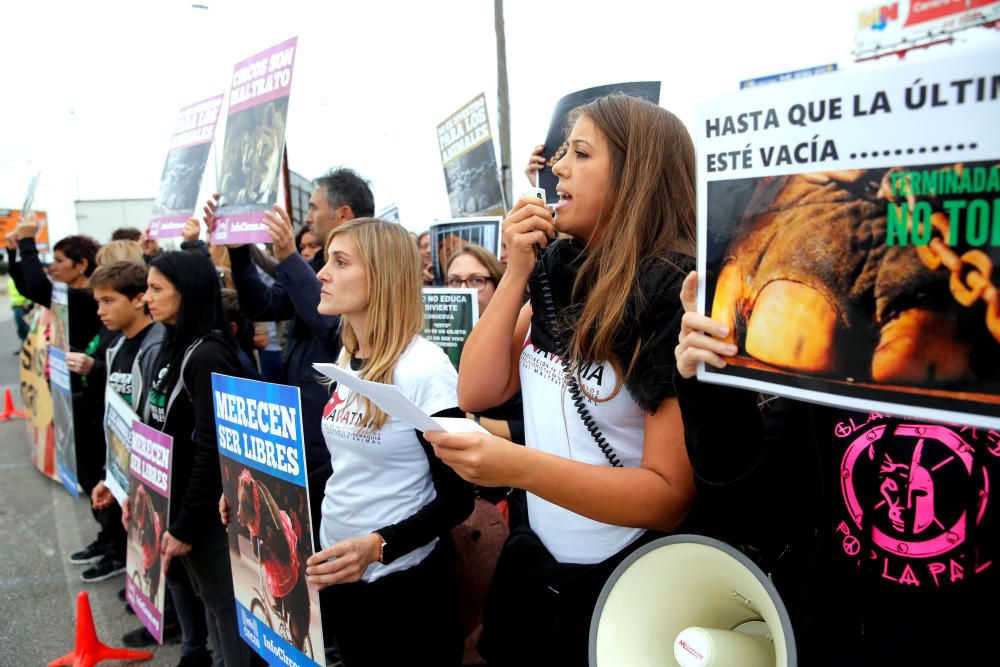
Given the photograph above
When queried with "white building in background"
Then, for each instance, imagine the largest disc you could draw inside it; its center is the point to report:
(100, 217)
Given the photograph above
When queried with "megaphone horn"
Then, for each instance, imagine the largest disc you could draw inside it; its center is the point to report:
(690, 601)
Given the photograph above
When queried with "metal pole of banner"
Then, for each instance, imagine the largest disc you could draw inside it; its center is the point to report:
(503, 104)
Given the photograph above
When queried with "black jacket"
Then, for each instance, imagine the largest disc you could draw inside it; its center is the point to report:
(312, 337)
(196, 482)
(880, 533)
(32, 282)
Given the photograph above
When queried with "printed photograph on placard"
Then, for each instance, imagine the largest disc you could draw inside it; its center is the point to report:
(118, 424)
(254, 145)
(473, 185)
(469, 159)
(835, 261)
(180, 182)
(62, 391)
(869, 284)
(450, 236)
(149, 510)
(149, 500)
(36, 393)
(264, 483)
(251, 160)
(555, 140)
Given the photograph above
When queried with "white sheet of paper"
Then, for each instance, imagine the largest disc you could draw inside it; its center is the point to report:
(389, 398)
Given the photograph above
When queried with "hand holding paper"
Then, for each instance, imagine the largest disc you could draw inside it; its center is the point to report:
(389, 398)
(481, 458)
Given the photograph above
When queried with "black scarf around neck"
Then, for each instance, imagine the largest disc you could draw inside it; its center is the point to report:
(652, 319)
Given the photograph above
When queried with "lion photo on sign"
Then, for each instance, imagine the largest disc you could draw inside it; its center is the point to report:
(251, 160)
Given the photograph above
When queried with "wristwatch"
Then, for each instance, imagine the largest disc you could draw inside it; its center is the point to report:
(381, 546)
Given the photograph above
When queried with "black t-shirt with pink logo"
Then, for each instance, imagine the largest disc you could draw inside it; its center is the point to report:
(881, 532)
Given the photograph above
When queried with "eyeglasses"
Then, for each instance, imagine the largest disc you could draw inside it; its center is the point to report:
(474, 281)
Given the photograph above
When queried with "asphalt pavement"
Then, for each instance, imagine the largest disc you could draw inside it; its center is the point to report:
(40, 525)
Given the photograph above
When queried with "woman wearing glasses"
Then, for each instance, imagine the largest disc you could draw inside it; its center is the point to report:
(474, 266)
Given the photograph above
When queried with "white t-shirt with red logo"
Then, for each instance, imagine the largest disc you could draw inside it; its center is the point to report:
(382, 477)
(552, 424)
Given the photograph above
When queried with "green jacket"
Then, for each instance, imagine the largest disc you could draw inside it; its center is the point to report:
(15, 297)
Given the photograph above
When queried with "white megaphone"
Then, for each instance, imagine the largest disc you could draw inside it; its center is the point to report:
(690, 601)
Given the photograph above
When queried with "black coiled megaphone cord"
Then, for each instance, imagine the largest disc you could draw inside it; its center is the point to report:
(574, 388)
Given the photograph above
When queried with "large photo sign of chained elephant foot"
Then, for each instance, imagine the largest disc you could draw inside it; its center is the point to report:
(857, 266)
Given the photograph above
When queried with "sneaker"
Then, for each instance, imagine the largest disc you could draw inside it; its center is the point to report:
(200, 659)
(141, 637)
(105, 569)
(94, 552)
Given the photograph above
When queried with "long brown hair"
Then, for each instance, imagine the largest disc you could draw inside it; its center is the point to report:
(395, 303)
(649, 212)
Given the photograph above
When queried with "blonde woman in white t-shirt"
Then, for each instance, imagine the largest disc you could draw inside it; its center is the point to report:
(605, 464)
(386, 568)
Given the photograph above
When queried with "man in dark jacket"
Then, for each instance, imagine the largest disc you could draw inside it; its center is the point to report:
(340, 195)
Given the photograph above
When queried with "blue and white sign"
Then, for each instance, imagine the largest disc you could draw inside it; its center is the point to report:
(264, 481)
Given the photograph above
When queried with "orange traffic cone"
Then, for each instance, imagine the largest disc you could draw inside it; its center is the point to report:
(8, 407)
(89, 650)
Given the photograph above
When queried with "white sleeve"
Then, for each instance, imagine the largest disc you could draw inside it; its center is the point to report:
(428, 379)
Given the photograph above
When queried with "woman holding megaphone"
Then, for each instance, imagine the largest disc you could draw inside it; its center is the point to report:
(592, 353)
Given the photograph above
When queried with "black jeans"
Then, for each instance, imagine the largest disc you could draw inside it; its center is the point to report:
(183, 606)
(211, 577)
(538, 610)
(405, 618)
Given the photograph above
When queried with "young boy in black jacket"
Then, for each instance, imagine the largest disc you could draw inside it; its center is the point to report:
(118, 289)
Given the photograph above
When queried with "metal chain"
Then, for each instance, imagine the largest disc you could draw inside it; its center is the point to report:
(971, 278)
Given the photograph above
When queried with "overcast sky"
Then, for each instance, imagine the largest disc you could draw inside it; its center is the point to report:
(93, 88)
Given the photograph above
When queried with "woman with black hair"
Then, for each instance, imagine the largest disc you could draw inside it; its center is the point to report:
(183, 293)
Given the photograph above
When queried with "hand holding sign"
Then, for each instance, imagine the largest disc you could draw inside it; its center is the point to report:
(279, 226)
(172, 547)
(27, 228)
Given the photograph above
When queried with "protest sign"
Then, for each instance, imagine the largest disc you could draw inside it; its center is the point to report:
(35, 392)
(9, 217)
(449, 315)
(177, 199)
(555, 139)
(149, 499)
(254, 144)
(29, 198)
(470, 163)
(848, 229)
(390, 214)
(449, 236)
(891, 26)
(62, 392)
(118, 421)
(265, 483)
(787, 76)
